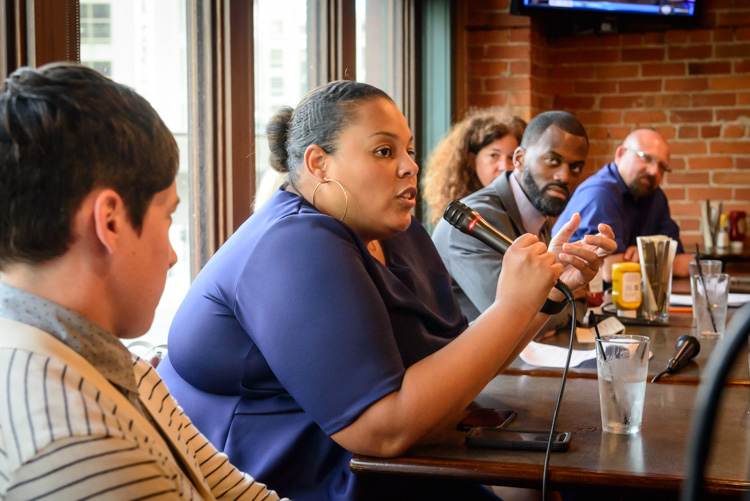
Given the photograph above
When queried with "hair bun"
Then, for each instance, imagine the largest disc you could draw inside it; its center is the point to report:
(277, 131)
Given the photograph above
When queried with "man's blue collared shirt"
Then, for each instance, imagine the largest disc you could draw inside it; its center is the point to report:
(605, 198)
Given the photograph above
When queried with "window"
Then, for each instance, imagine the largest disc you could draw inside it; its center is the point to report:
(276, 57)
(96, 22)
(277, 88)
(147, 51)
(103, 67)
(385, 49)
(279, 24)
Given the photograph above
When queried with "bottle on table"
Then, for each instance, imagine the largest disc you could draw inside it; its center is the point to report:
(595, 295)
(626, 288)
(722, 237)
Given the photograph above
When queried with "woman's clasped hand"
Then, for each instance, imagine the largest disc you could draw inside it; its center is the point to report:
(529, 267)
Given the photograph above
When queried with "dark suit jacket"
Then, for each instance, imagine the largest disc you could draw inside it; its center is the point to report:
(474, 267)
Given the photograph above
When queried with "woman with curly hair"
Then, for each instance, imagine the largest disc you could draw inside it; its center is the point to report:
(475, 152)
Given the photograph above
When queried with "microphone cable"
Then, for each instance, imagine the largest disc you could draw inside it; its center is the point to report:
(470, 222)
(571, 301)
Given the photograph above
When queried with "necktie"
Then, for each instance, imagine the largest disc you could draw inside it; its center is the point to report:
(544, 233)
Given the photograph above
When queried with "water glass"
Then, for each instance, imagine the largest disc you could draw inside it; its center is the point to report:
(710, 305)
(622, 369)
(708, 266)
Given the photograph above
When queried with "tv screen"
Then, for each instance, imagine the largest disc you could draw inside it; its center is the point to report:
(683, 12)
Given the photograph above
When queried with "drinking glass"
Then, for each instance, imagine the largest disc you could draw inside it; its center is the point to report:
(622, 369)
(708, 266)
(710, 306)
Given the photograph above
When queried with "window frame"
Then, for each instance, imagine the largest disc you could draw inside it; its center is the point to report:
(38, 32)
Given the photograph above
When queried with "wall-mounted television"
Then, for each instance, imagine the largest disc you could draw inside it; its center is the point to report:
(665, 12)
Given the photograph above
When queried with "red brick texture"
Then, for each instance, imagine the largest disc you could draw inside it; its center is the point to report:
(692, 85)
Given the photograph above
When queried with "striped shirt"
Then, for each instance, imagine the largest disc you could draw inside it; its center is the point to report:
(64, 437)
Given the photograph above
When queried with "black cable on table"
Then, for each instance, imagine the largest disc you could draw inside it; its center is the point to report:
(571, 300)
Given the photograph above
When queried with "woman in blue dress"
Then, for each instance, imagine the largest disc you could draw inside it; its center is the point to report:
(326, 326)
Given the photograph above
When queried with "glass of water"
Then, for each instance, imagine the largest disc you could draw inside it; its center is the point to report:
(622, 369)
(708, 266)
(710, 306)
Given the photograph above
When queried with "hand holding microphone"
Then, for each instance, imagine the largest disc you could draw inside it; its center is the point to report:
(469, 221)
(528, 275)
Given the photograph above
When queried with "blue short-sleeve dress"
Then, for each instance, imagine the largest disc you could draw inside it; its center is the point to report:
(292, 330)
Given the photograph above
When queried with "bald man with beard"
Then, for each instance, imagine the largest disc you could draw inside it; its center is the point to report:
(625, 194)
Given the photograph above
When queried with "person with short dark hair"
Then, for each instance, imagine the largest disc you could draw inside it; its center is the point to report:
(476, 150)
(326, 326)
(548, 167)
(626, 195)
(87, 190)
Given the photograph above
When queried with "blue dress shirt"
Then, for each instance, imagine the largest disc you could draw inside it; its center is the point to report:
(605, 198)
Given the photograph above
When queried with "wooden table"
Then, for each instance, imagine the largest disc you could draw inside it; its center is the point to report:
(648, 465)
(662, 346)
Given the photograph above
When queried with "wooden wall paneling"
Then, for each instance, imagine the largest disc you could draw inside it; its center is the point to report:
(52, 31)
(239, 107)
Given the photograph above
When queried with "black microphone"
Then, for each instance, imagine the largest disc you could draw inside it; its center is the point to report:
(687, 347)
(470, 222)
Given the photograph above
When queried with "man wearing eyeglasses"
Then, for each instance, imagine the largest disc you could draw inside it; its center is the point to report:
(625, 194)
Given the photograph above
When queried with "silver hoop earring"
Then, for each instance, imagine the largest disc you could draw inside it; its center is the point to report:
(326, 180)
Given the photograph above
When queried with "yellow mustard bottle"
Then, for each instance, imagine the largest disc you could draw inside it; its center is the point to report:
(626, 288)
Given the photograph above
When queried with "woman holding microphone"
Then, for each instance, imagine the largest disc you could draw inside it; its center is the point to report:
(326, 325)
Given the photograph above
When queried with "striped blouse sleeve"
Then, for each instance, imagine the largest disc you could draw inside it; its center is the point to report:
(224, 480)
(62, 438)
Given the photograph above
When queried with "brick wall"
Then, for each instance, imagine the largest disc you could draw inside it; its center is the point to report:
(692, 85)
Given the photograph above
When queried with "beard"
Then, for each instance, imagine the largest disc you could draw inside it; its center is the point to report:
(638, 190)
(546, 204)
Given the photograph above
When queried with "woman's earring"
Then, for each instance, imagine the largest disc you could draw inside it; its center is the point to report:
(326, 180)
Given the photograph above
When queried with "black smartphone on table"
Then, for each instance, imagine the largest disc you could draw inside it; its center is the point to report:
(529, 440)
(495, 418)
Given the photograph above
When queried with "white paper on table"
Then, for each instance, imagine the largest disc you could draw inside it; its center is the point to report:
(735, 299)
(607, 327)
(545, 355)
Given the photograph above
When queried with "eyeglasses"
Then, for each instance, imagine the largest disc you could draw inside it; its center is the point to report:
(651, 160)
